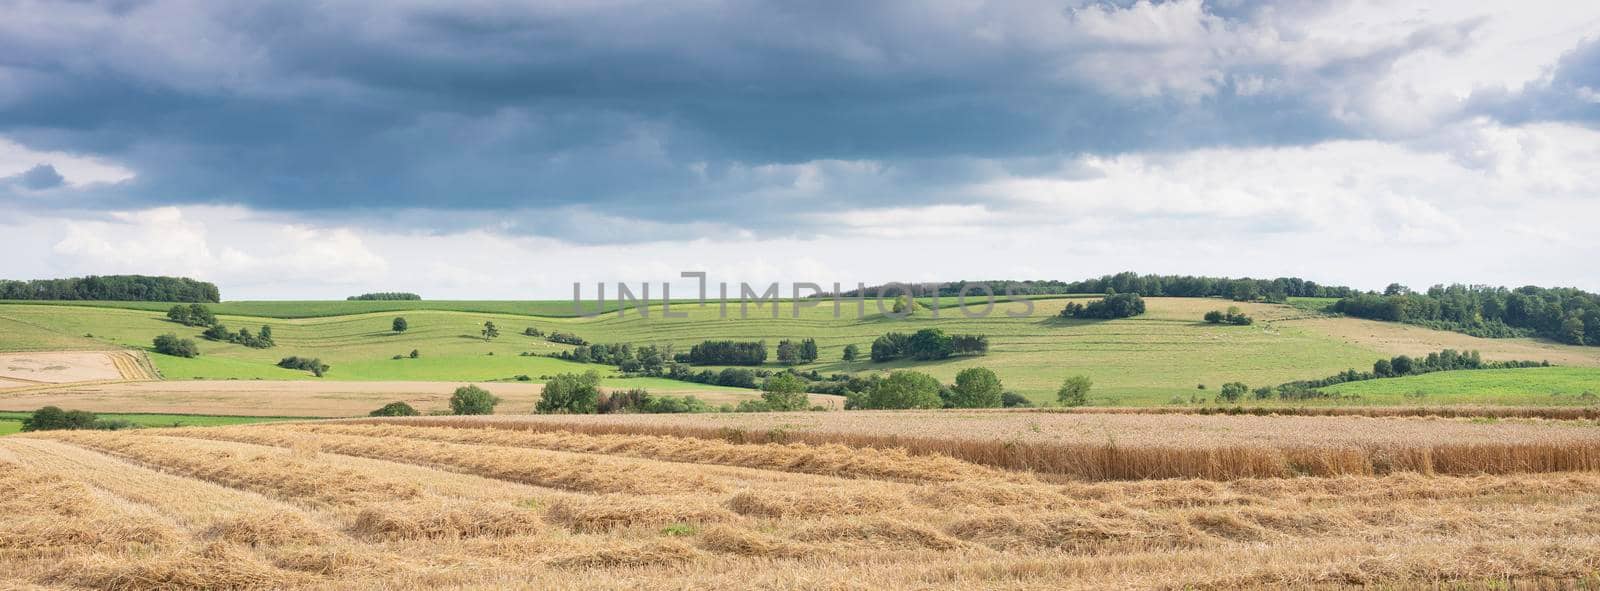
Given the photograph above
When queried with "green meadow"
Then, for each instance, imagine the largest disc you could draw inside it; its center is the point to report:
(1523, 386)
(1151, 359)
(11, 422)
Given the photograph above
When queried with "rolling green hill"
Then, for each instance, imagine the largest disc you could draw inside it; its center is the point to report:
(1528, 386)
(1143, 360)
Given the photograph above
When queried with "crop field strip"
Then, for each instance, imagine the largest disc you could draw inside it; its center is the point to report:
(1126, 446)
(373, 523)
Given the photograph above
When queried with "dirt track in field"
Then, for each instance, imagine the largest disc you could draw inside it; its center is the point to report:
(290, 398)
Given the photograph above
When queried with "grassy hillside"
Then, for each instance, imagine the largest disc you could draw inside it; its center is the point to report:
(1151, 359)
(1534, 385)
(1144, 360)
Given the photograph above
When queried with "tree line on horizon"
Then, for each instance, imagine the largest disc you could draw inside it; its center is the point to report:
(1565, 314)
(1243, 289)
(118, 288)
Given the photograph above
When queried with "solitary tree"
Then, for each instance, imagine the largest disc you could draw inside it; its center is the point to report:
(399, 324)
(1074, 391)
(851, 352)
(905, 389)
(472, 400)
(571, 393)
(785, 391)
(976, 387)
(489, 330)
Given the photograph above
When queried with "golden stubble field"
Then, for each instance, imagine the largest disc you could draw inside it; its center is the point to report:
(453, 504)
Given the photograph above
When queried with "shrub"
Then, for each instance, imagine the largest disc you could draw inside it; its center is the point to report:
(52, 418)
(1014, 400)
(571, 393)
(415, 354)
(976, 387)
(785, 391)
(1074, 391)
(904, 389)
(395, 409)
(736, 378)
(852, 352)
(1233, 391)
(170, 344)
(311, 364)
(472, 400)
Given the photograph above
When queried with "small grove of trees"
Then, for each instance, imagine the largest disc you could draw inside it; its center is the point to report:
(565, 338)
(1114, 305)
(728, 353)
(792, 352)
(1565, 314)
(1074, 391)
(311, 364)
(472, 400)
(394, 409)
(52, 418)
(385, 296)
(1233, 391)
(191, 315)
(261, 340)
(900, 390)
(1232, 316)
(170, 344)
(121, 288)
(399, 324)
(570, 393)
(927, 344)
(785, 391)
(975, 387)
(639, 400)
(532, 332)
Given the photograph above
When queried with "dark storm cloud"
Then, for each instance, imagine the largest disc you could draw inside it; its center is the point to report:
(40, 177)
(677, 112)
(1572, 93)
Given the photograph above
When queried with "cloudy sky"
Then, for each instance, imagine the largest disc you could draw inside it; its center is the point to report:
(484, 149)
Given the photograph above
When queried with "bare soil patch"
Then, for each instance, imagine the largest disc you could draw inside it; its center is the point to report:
(58, 367)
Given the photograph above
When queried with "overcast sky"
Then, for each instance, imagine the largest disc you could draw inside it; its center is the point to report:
(483, 149)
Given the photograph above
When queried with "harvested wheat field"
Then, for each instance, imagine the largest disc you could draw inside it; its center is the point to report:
(304, 398)
(471, 504)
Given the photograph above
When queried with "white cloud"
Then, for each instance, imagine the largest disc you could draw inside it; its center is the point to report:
(78, 170)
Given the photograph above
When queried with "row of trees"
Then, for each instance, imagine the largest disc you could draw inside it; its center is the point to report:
(311, 364)
(1233, 316)
(125, 288)
(385, 296)
(191, 315)
(727, 353)
(924, 345)
(260, 340)
(793, 352)
(1567, 315)
(1114, 305)
(565, 338)
(52, 418)
(1242, 289)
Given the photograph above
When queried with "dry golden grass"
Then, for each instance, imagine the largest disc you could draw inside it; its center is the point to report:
(388, 507)
(1105, 446)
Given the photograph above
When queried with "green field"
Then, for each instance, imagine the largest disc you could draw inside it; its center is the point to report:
(1138, 361)
(11, 422)
(1153, 359)
(1525, 386)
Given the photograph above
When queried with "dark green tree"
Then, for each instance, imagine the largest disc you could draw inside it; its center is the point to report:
(976, 387)
(570, 393)
(399, 324)
(472, 400)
